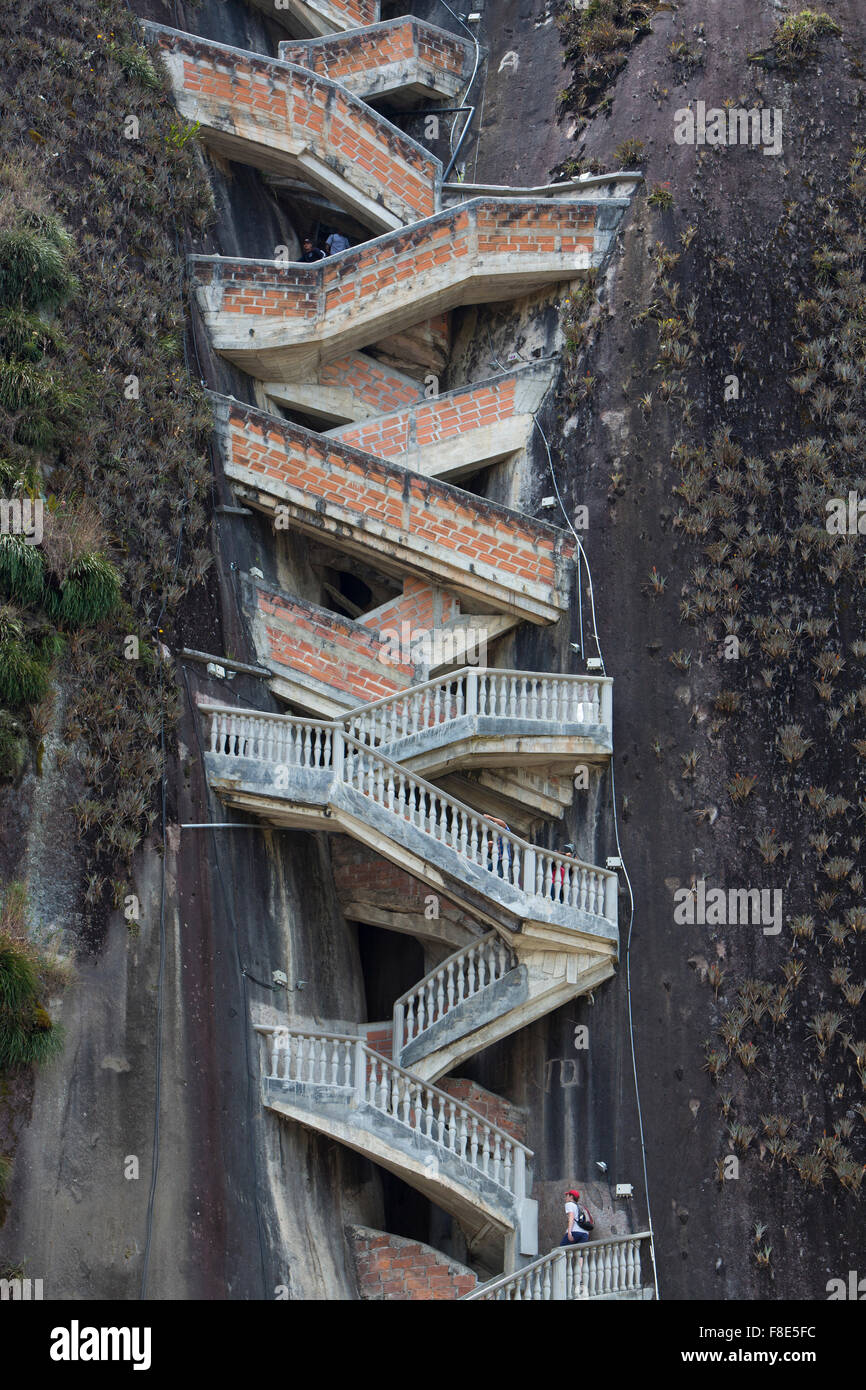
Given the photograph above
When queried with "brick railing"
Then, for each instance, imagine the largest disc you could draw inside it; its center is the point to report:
(320, 16)
(427, 424)
(388, 57)
(279, 320)
(428, 527)
(324, 652)
(286, 118)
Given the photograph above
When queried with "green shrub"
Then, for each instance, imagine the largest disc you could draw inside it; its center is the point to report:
(34, 266)
(5, 1172)
(23, 677)
(796, 37)
(89, 593)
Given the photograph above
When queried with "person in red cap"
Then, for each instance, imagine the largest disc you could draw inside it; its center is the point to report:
(580, 1222)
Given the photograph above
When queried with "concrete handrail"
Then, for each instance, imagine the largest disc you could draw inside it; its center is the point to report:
(588, 1270)
(456, 979)
(348, 1063)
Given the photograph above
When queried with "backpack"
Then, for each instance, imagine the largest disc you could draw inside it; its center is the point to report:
(584, 1220)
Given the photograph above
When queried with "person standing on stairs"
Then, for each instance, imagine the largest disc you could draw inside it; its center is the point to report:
(580, 1223)
(310, 253)
(336, 243)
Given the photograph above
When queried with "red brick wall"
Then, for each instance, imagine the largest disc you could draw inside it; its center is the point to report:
(361, 275)
(328, 649)
(437, 420)
(495, 1109)
(423, 607)
(392, 1267)
(347, 54)
(361, 875)
(283, 99)
(381, 1039)
(370, 382)
(259, 449)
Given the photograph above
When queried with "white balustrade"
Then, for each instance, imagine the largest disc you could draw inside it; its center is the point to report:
(315, 744)
(607, 1267)
(494, 694)
(593, 1269)
(347, 1065)
(463, 975)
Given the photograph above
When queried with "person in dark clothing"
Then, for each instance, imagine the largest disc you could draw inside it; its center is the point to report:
(309, 252)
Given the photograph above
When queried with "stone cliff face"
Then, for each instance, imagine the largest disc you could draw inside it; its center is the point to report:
(244, 1205)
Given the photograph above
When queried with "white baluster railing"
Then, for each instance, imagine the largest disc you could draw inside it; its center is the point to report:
(591, 1270)
(490, 693)
(441, 1121)
(464, 974)
(314, 744)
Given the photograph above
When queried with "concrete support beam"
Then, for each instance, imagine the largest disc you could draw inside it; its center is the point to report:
(319, 16)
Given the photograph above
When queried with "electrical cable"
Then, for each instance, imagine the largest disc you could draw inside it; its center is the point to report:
(583, 558)
(465, 95)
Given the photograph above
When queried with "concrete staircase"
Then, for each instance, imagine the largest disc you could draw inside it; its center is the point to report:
(279, 320)
(346, 342)
(406, 60)
(284, 119)
(409, 524)
(311, 774)
(460, 431)
(338, 1086)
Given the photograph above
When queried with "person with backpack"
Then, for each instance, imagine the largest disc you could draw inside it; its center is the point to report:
(580, 1223)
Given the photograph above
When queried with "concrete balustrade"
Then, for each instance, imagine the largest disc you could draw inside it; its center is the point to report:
(616, 1268)
(402, 59)
(279, 321)
(312, 773)
(337, 1084)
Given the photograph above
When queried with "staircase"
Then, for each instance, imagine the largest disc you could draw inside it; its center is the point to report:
(405, 60)
(310, 774)
(284, 119)
(338, 1086)
(346, 342)
(283, 320)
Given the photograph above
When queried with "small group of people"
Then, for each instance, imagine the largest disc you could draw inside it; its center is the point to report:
(334, 244)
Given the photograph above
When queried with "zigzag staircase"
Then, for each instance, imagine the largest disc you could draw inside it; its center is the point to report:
(415, 745)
